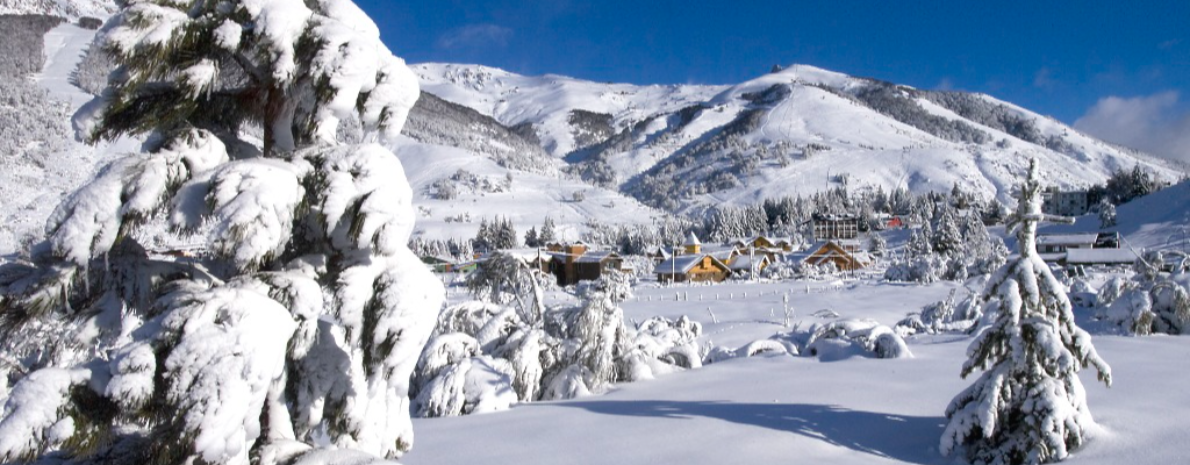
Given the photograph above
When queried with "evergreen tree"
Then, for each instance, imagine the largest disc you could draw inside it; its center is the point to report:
(947, 239)
(507, 236)
(919, 241)
(483, 238)
(1107, 214)
(877, 245)
(300, 319)
(531, 238)
(547, 234)
(1028, 406)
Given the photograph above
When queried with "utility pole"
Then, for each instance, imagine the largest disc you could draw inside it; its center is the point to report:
(752, 261)
(673, 267)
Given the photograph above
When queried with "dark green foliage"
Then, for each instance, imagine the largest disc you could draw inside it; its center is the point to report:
(437, 121)
(897, 102)
(23, 44)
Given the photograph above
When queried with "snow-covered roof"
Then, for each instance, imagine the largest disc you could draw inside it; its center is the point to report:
(692, 239)
(776, 240)
(1100, 256)
(1052, 257)
(1065, 239)
(684, 263)
(664, 252)
(680, 264)
(596, 257)
(721, 255)
(745, 262)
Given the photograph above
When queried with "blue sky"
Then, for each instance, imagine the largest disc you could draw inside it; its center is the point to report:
(1092, 63)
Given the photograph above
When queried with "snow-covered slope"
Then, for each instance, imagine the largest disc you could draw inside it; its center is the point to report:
(1159, 221)
(483, 189)
(796, 131)
(72, 9)
(565, 112)
(47, 162)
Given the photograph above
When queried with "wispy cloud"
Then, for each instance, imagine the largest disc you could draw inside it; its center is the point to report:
(1044, 79)
(1169, 44)
(475, 35)
(1156, 124)
(946, 84)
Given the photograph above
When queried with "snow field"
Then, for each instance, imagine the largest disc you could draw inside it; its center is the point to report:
(782, 409)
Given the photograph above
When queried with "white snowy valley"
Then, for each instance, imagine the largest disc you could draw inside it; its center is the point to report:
(331, 257)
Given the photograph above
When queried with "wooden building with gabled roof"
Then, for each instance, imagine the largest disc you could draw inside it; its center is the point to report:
(574, 263)
(765, 243)
(694, 268)
(749, 264)
(841, 257)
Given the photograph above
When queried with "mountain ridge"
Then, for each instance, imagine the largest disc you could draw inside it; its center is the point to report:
(795, 131)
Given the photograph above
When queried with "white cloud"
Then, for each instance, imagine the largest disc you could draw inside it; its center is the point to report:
(1155, 124)
(475, 35)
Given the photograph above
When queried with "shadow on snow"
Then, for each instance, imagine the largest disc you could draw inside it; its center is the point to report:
(897, 437)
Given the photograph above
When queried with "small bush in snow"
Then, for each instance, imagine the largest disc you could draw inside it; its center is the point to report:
(555, 354)
(869, 337)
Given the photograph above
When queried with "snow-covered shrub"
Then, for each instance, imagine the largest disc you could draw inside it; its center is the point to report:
(1150, 308)
(946, 315)
(503, 279)
(660, 345)
(1171, 308)
(472, 385)
(870, 337)
(1112, 290)
(1028, 406)
(1083, 294)
(565, 352)
(1132, 312)
(303, 288)
(921, 269)
(765, 346)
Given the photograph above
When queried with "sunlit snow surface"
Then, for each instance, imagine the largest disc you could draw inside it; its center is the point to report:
(784, 409)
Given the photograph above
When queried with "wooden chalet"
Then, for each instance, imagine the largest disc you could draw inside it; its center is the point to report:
(840, 256)
(574, 263)
(765, 243)
(749, 264)
(695, 268)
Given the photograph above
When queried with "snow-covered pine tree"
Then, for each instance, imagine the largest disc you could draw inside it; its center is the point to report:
(1107, 214)
(1028, 406)
(531, 237)
(303, 314)
(548, 233)
(919, 242)
(947, 239)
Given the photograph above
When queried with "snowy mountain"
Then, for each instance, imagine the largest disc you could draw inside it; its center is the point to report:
(485, 143)
(796, 131)
(71, 9)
